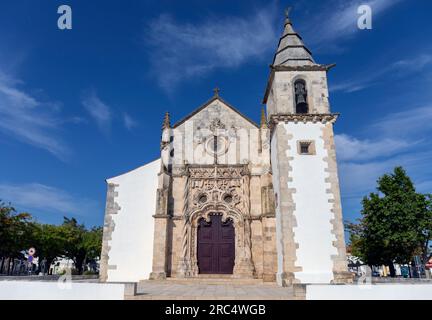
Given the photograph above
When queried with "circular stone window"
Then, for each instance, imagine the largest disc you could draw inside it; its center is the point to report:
(228, 198)
(202, 198)
(216, 145)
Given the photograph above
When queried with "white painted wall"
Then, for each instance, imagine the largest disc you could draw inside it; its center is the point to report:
(132, 239)
(312, 209)
(52, 290)
(370, 292)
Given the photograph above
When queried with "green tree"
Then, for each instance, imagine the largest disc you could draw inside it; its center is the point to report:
(92, 244)
(426, 226)
(14, 232)
(18, 232)
(74, 235)
(82, 245)
(395, 223)
(49, 241)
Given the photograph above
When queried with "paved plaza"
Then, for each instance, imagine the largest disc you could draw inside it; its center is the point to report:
(212, 290)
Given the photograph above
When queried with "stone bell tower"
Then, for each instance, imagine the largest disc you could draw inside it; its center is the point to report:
(309, 232)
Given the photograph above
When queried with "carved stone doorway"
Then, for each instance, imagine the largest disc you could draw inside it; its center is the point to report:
(215, 246)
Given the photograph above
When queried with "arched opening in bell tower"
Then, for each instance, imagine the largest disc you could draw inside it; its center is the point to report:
(300, 92)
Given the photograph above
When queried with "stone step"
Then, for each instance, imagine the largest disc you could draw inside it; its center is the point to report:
(213, 280)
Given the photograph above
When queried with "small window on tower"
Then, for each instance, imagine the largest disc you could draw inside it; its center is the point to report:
(306, 147)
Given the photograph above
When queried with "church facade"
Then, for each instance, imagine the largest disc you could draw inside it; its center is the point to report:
(232, 198)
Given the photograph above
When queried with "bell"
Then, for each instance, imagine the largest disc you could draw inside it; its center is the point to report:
(300, 93)
(300, 99)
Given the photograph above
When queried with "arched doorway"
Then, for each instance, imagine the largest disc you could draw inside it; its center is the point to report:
(216, 246)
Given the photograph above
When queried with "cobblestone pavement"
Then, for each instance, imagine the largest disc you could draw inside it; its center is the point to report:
(211, 290)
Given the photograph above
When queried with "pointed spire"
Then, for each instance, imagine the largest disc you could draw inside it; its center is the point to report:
(291, 50)
(263, 124)
(166, 123)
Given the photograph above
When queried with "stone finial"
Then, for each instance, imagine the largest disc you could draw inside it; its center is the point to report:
(287, 12)
(166, 123)
(263, 124)
(216, 92)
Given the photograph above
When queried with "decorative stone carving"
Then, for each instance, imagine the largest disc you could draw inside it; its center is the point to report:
(216, 183)
(216, 145)
(184, 265)
(216, 124)
(217, 190)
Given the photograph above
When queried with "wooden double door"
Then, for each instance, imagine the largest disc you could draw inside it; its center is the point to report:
(216, 246)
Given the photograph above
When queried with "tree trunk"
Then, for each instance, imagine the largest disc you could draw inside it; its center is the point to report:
(8, 266)
(392, 270)
(1, 266)
(425, 251)
(48, 265)
(85, 263)
(79, 265)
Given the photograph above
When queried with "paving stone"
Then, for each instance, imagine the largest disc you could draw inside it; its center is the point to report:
(169, 290)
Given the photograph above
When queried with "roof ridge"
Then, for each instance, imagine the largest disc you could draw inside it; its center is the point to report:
(207, 103)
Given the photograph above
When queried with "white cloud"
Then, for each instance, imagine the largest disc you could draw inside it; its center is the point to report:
(183, 50)
(393, 134)
(353, 149)
(351, 86)
(43, 198)
(129, 122)
(358, 179)
(374, 76)
(413, 64)
(413, 122)
(100, 111)
(338, 21)
(400, 139)
(28, 119)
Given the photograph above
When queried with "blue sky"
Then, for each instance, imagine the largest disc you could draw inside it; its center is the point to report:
(82, 105)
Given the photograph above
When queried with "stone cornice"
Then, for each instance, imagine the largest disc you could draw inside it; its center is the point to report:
(308, 117)
(161, 216)
(203, 106)
(312, 67)
(268, 215)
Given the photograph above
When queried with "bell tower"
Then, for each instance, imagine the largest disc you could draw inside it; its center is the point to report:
(309, 223)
